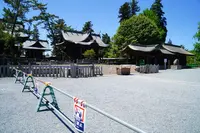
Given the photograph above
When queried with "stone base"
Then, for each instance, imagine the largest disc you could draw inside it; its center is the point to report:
(123, 70)
(176, 67)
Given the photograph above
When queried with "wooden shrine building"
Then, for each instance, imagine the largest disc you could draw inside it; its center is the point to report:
(155, 54)
(35, 49)
(75, 43)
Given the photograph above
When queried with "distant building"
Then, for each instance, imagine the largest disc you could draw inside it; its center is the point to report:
(30, 48)
(21, 37)
(155, 54)
(76, 43)
(35, 49)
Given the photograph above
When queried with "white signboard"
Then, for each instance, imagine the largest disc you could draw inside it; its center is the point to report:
(79, 115)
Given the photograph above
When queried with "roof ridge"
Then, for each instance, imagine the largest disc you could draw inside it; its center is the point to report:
(40, 40)
(172, 45)
(76, 31)
(142, 45)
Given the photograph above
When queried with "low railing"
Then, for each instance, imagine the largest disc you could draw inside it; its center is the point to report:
(25, 78)
(72, 70)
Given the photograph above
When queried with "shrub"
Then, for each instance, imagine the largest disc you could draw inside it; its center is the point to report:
(89, 54)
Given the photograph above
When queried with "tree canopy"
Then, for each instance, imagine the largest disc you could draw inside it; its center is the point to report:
(15, 12)
(197, 44)
(89, 54)
(35, 34)
(162, 22)
(14, 20)
(87, 27)
(106, 38)
(134, 7)
(128, 9)
(196, 51)
(124, 12)
(138, 29)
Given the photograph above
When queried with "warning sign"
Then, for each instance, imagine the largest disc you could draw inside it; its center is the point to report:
(79, 115)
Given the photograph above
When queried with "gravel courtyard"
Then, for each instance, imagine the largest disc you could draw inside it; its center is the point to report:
(167, 102)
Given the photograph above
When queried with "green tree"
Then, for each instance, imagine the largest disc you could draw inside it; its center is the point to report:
(138, 29)
(87, 27)
(152, 15)
(48, 20)
(124, 12)
(134, 7)
(35, 34)
(15, 17)
(197, 35)
(162, 23)
(106, 38)
(58, 26)
(113, 51)
(15, 11)
(89, 54)
(197, 45)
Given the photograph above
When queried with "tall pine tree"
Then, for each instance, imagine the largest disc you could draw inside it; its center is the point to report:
(16, 12)
(134, 7)
(124, 12)
(106, 38)
(48, 21)
(162, 23)
(87, 27)
(15, 17)
(35, 34)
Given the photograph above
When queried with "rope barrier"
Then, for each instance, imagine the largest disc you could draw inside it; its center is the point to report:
(133, 128)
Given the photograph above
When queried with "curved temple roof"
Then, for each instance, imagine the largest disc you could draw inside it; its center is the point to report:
(165, 49)
(143, 48)
(176, 49)
(39, 45)
(82, 38)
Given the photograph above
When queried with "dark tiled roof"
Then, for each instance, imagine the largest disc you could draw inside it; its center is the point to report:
(165, 49)
(80, 38)
(143, 48)
(39, 45)
(176, 49)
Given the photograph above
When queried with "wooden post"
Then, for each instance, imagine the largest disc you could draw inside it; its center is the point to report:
(57, 70)
(93, 71)
(64, 71)
(29, 68)
(44, 71)
(4, 70)
(49, 71)
(0, 71)
(39, 73)
(8, 70)
(73, 72)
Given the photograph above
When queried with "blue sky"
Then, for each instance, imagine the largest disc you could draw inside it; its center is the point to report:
(182, 16)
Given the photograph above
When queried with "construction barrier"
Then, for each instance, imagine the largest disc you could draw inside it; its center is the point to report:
(29, 83)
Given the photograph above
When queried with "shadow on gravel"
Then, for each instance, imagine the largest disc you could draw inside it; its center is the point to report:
(27, 91)
(63, 122)
(59, 118)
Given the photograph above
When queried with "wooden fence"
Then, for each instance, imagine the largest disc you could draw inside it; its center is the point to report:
(72, 70)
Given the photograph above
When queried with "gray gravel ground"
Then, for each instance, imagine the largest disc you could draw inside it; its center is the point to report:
(167, 102)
